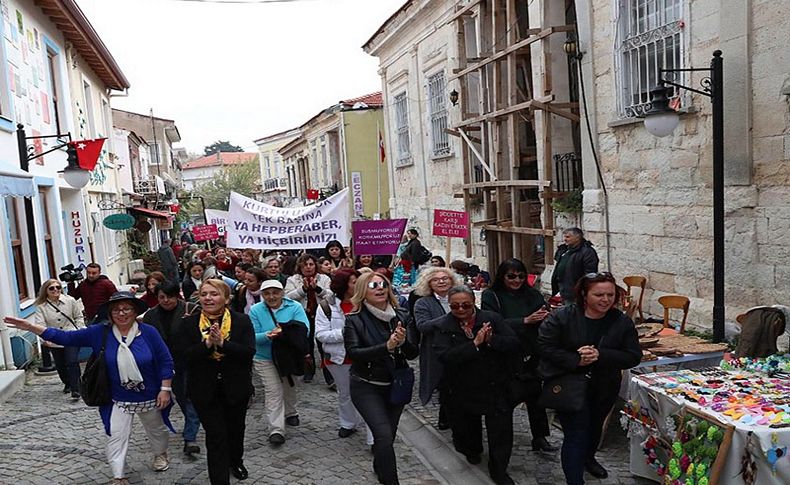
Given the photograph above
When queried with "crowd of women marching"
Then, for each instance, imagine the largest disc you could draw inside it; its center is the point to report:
(244, 325)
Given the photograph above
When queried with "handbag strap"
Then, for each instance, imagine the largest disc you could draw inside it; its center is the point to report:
(61, 312)
(104, 337)
(271, 312)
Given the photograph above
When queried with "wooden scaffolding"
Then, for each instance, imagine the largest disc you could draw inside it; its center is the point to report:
(497, 127)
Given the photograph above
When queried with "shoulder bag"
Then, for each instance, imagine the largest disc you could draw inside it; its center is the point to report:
(61, 312)
(95, 383)
(566, 392)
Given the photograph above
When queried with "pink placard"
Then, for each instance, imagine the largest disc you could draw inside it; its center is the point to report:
(207, 232)
(450, 223)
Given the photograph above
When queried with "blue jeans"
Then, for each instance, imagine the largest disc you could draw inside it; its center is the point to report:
(582, 432)
(191, 419)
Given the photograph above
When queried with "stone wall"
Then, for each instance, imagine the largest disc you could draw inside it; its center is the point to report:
(660, 197)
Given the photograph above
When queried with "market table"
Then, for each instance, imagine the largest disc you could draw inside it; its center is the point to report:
(754, 404)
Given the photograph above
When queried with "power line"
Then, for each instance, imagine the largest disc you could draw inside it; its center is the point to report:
(241, 2)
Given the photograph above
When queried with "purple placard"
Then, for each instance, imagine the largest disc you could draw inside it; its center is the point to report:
(378, 237)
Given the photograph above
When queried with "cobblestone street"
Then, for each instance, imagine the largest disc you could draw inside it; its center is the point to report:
(46, 438)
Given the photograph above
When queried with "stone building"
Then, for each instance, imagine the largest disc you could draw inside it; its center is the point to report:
(647, 202)
(659, 189)
(416, 52)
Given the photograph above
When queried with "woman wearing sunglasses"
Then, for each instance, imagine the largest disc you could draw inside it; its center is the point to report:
(475, 349)
(139, 375)
(523, 308)
(376, 343)
(591, 338)
(57, 310)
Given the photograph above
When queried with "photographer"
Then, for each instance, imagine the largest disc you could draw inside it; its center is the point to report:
(94, 291)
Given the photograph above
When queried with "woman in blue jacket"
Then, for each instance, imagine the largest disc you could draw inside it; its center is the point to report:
(140, 371)
(280, 397)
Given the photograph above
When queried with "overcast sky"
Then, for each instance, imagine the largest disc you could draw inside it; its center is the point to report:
(239, 72)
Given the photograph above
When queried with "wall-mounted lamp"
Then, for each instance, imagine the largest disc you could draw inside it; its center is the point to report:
(454, 97)
(570, 48)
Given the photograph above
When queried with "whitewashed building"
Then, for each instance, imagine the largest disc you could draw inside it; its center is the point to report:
(57, 76)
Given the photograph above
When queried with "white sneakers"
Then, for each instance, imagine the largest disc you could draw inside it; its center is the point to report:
(161, 463)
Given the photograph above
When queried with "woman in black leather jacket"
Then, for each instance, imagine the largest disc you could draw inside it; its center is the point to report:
(595, 338)
(376, 343)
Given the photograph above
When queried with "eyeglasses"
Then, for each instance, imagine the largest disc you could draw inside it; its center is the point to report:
(516, 276)
(465, 305)
(54, 287)
(378, 284)
(121, 311)
(441, 279)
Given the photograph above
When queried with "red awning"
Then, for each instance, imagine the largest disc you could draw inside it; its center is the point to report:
(150, 213)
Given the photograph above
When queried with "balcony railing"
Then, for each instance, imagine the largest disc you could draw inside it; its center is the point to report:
(149, 186)
(271, 185)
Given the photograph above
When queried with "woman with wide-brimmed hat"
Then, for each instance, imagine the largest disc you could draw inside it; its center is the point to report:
(140, 372)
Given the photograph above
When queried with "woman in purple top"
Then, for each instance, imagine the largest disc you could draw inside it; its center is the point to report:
(140, 371)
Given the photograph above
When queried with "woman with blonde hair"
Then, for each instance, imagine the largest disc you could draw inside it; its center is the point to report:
(57, 310)
(218, 345)
(376, 343)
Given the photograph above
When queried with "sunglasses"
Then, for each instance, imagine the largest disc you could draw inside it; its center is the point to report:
(378, 284)
(516, 276)
(600, 274)
(465, 305)
(53, 288)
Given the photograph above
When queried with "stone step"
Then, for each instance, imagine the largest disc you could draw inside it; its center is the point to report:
(10, 382)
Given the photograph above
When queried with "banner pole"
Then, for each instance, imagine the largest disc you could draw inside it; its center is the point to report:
(447, 250)
(378, 167)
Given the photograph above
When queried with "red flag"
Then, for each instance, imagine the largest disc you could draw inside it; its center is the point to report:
(382, 153)
(312, 194)
(88, 152)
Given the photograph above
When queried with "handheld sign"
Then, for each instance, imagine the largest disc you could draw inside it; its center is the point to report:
(206, 232)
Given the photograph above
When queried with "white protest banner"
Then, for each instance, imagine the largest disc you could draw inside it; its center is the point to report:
(253, 224)
(217, 217)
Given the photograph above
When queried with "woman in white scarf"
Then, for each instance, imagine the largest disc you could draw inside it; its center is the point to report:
(139, 369)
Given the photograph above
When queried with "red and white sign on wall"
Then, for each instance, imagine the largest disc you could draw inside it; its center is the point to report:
(206, 232)
(450, 223)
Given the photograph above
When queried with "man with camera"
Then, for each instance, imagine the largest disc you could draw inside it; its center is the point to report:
(94, 291)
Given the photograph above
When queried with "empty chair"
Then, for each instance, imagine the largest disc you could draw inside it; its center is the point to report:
(636, 282)
(679, 302)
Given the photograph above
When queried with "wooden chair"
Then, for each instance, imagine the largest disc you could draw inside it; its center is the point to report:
(674, 302)
(636, 282)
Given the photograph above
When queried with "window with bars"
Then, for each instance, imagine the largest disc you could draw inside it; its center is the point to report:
(650, 37)
(402, 130)
(440, 141)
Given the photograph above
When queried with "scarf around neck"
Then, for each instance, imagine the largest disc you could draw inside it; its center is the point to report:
(383, 315)
(253, 297)
(205, 330)
(131, 379)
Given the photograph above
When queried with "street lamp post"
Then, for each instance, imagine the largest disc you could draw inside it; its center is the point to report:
(661, 120)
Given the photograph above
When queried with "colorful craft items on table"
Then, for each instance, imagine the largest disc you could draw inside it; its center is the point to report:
(768, 365)
(747, 391)
(694, 452)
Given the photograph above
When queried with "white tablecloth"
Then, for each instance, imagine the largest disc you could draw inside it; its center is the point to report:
(662, 406)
